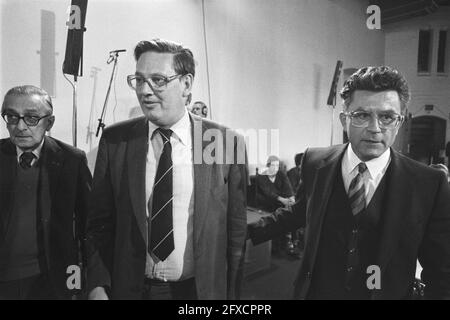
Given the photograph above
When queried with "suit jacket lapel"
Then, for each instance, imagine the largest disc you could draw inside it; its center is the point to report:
(202, 178)
(8, 168)
(322, 186)
(51, 163)
(397, 209)
(136, 161)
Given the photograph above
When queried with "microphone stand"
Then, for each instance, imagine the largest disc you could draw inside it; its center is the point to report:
(90, 130)
(113, 56)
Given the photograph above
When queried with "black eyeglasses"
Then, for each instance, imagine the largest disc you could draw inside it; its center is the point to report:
(155, 81)
(30, 121)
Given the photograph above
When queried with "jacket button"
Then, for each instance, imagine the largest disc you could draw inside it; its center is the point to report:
(308, 274)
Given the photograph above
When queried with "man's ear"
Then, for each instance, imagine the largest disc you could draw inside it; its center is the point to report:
(343, 119)
(187, 82)
(50, 122)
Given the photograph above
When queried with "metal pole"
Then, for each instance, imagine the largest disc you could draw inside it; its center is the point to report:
(332, 126)
(74, 117)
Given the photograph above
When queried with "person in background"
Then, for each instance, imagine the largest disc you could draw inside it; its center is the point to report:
(44, 188)
(294, 174)
(442, 167)
(200, 109)
(275, 191)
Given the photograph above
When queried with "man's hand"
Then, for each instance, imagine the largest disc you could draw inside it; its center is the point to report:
(284, 201)
(98, 293)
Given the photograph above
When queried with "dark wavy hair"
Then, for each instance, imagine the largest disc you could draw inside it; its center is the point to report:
(376, 79)
(183, 59)
(29, 90)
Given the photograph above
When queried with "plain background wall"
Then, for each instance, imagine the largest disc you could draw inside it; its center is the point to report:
(271, 62)
(402, 43)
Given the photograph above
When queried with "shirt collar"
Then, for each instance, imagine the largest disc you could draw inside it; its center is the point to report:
(36, 152)
(375, 166)
(181, 129)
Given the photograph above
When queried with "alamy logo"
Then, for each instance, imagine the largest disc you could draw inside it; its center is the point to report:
(374, 280)
(74, 278)
(74, 21)
(374, 20)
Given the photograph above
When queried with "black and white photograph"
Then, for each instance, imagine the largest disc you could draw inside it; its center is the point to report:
(238, 151)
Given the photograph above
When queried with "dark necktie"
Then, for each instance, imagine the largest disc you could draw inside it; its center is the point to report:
(357, 191)
(25, 159)
(161, 221)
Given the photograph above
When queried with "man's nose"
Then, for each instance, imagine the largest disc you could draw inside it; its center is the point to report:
(374, 126)
(146, 88)
(21, 125)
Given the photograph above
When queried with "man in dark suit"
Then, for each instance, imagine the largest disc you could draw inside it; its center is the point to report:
(168, 215)
(294, 174)
(370, 212)
(44, 186)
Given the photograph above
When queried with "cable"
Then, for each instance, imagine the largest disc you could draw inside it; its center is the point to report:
(207, 59)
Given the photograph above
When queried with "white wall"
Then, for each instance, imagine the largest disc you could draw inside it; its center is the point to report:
(402, 41)
(271, 62)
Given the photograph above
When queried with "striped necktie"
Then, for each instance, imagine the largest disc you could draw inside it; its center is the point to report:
(26, 159)
(161, 221)
(357, 191)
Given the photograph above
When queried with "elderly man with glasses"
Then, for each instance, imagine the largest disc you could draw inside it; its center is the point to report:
(44, 188)
(165, 222)
(370, 212)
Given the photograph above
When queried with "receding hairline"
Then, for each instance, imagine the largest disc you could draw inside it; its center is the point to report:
(42, 98)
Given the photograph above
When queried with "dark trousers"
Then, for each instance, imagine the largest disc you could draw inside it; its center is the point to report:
(179, 290)
(32, 288)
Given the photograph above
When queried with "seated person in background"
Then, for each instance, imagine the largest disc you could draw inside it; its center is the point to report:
(274, 188)
(296, 244)
(275, 191)
(442, 167)
(369, 211)
(294, 173)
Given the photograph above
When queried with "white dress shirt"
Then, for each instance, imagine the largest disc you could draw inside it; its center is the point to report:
(179, 265)
(376, 168)
(36, 152)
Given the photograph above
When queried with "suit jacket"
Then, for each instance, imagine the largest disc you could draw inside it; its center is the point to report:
(415, 225)
(117, 233)
(63, 189)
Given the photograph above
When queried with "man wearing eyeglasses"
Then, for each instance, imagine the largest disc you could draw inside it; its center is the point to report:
(44, 187)
(164, 225)
(370, 212)
(200, 109)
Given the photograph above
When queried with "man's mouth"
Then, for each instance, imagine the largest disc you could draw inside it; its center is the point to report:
(372, 141)
(148, 103)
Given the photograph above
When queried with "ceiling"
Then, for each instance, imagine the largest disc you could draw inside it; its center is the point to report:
(398, 10)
